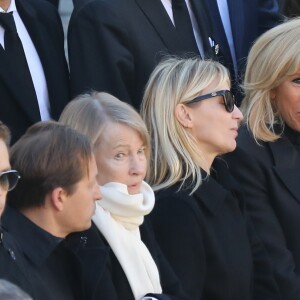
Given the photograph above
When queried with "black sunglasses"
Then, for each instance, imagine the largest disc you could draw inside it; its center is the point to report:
(228, 99)
(9, 179)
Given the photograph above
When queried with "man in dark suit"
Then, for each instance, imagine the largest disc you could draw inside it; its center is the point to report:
(39, 28)
(115, 44)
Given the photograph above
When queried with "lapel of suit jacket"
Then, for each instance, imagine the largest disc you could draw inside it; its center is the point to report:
(15, 86)
(287, 165)
(158, 17)
(211, 194)
(205, 23)
(211, 15)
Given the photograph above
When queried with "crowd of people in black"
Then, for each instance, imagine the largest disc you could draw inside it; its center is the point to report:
(162, 162)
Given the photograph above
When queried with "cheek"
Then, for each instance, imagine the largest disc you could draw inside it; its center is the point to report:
(112, 172)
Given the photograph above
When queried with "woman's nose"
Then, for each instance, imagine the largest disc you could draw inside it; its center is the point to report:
(237, 114)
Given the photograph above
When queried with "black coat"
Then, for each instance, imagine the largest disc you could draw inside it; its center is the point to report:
(12, 265)
(270, 174)
(113, 284)
(210, 243)
(53, 270)
(115, 44)
(45, 29)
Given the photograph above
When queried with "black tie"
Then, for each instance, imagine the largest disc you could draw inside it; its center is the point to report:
(183, 24)
(15, 56)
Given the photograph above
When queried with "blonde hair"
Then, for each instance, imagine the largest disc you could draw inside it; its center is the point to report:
(175, 152)
(91, 113)
(273, 58)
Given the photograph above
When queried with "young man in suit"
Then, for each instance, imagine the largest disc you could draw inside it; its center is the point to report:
(34, 82)
(55, 197)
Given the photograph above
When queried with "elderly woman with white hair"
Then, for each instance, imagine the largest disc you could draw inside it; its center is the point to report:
(121, 143)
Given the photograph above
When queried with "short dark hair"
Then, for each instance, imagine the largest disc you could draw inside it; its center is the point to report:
(4, 133)
(47, 156)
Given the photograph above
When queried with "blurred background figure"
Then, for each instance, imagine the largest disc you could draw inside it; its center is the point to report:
(199, 219)
(267, 161)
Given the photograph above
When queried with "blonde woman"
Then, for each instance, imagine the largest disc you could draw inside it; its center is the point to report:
(199, 218)
(267, 163)
(121, 147)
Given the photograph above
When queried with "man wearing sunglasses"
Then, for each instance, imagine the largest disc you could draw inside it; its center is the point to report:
(8, 178)
(11, 260)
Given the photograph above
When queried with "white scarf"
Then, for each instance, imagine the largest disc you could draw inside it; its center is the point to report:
(118, 216)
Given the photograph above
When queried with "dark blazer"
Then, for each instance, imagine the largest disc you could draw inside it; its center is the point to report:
(45, 29)
(269, 174)
(113, 284)
(210, 243)
(115, 44)
(249, 19)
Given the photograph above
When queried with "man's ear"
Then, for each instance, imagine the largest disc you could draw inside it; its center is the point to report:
(58, 197)
(183, 115)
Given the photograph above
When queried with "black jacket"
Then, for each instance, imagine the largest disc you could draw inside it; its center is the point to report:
(52, 268)
(12, 267)
(113, 284)
(269, 174)
(209, 241)
(115, 44)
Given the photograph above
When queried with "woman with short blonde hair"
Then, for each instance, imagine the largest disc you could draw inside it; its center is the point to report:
(267, 161)
(199, 217)
(174, 148)
(272, 59)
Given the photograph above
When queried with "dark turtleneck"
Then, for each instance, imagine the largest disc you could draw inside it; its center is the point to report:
(293, 136)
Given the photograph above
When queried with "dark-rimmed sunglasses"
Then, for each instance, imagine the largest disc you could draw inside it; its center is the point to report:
(9, 179)
(228, 99)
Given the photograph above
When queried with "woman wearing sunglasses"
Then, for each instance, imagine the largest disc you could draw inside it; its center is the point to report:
(267, 160)
(199, 218)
